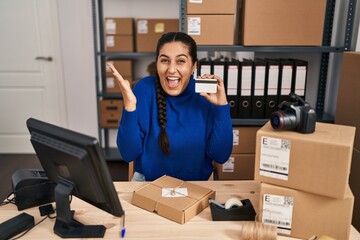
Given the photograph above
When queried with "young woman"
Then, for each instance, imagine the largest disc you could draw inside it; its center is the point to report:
(166, 127)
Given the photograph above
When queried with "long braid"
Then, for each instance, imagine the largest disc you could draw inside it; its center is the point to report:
(161, 104)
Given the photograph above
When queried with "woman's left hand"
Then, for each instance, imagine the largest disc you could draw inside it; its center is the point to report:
(218, 98)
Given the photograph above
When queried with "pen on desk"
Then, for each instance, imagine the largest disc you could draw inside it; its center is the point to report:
(123, 229)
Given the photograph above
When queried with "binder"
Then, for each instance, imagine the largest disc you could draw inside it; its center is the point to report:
(205, 66)
(299, 77)
(245, 89)
(196, 70)
(271, 86)
(231, 87)
(286, 72)
(258, 89)
(218, 66)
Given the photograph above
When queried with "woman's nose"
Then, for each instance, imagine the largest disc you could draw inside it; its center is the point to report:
(172, 68)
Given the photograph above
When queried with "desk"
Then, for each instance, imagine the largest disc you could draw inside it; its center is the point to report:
(141, 224)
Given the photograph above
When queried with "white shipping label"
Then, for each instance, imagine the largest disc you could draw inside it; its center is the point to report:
(228, 166)
(110, 26)
(142, 27)
(195, 1)
(110, 41)
(277, 211)
(174, 192)
(110, 82)
(275, 157)
(194, 25)
(235, 137)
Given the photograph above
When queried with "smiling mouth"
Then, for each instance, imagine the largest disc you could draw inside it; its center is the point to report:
(173, 82)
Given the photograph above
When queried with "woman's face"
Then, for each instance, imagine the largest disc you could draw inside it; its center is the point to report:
(174, 66)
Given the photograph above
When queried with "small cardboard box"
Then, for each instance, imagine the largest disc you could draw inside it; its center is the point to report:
(148, 32)
(302, 215)
(211, 7)
(119, 43)
(212, 29)
(110, 120)
(112, 86)
(172, 198)
(237, 167)
(119, 26)
(111, 106)
(284, 23)
(244, 139)
(318, 162)
(124, 67)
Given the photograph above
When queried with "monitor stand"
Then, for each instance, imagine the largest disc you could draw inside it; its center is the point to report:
(65, 225)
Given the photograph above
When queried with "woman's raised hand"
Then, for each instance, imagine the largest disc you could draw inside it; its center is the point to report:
(125, 88)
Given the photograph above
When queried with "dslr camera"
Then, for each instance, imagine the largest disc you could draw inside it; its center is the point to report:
(295, 115)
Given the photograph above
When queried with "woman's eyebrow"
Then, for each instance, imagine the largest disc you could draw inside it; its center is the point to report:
(180, 55)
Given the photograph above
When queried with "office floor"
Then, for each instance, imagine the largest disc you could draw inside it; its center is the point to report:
(9, 163)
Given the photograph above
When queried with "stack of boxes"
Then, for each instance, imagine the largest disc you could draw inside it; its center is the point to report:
(304, 180)
(125, 68)
(240, 165)
(119, 34)
(111, 112)
(212, 22)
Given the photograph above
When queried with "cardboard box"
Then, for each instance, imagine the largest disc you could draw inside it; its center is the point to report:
(111, 106)
(348, 100)
(112, 86)
(211, 7)
(318, 162)
(237, 167)
(212, 29)
(119, 26)
(167, 197)
(110, 120)
(148, 32)
(244, 139)
(303, 215)
(124, 67)
(119, 43)
(282, 23)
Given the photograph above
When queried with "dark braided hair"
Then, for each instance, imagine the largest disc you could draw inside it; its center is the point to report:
(160, 93)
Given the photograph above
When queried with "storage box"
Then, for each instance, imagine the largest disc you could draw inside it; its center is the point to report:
(303, 215)
(211, 6)
(148, 32)
(124, 67)
(119, 26)
(244, 139)
(110, 120)
(172, 198)
(237, 167)
(112, 86)
(348, 100)
(119, 43)
(211, 29)
(111, 106)
(282, 22)
(318, 162)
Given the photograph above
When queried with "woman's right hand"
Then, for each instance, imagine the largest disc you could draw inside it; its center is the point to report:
(125, 88)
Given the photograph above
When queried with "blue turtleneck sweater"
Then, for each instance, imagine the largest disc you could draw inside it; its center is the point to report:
(199, 133)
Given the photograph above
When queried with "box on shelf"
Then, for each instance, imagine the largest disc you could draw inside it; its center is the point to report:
(212, 29)
(244, 139)
(110, 120)
(302, 215)
(296, 23)
(119, 43)
(124, 67)
(119, 26)
(237, 167)
(112, 86)
(172, 198)
(111, 106)
(148, 32)
(318, 162)
(211, 7)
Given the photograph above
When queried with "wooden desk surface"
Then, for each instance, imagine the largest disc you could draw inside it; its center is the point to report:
(141, 224)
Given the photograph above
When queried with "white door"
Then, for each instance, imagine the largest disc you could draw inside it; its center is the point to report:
(31, 83)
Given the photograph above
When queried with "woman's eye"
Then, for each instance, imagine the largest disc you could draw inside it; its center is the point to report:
(181, 61)
(164, 60)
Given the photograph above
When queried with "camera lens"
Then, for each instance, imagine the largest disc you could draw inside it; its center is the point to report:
(285, 120)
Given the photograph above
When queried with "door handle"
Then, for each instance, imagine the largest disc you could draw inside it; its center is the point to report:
(49, 59)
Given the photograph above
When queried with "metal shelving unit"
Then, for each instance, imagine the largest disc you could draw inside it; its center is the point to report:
(325, 50)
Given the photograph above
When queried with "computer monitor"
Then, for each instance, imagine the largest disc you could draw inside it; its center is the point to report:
(76, 164)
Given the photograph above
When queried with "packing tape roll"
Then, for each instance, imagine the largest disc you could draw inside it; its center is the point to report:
(233, 202)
